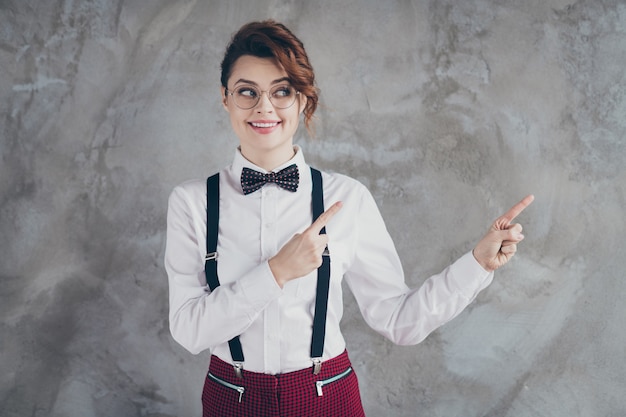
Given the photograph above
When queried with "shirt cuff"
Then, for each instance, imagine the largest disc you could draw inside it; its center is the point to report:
(259, 287)
(469, 276)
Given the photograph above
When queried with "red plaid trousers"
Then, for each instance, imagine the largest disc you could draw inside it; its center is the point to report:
(285, 395)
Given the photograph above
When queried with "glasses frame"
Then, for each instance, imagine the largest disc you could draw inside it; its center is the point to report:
(267, 92)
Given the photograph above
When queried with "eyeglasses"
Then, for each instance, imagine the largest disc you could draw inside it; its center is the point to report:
(247, 97)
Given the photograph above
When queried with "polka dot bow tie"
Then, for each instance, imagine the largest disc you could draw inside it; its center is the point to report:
(287, 178)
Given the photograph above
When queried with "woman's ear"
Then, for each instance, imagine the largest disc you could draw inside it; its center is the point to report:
(224, 99)
(303, 100)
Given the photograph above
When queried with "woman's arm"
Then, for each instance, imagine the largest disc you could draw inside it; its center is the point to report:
(403, 315)
(200, 319)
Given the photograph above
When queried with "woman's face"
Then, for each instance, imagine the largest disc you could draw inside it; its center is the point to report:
(265, 132)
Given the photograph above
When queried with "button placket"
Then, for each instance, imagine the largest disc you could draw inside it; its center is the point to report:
(269, 248)
(268, 216)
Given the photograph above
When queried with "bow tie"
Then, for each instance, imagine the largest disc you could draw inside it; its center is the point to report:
(287, 178)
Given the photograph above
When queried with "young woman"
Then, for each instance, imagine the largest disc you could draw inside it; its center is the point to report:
(267, 300)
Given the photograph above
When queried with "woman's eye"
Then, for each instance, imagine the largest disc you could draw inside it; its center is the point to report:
(247, 93)
(282, 92)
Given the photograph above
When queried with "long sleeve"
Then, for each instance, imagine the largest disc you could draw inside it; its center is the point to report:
(405, 316)
(200, 319)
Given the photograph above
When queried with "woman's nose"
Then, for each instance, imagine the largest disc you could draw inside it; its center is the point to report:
(264, 103)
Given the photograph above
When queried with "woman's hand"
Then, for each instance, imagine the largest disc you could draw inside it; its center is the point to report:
(303, 253)
(500, 243)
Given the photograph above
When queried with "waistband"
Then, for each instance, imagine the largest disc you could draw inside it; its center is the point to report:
(257, 380)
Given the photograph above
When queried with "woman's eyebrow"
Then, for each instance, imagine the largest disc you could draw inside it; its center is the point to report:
(243, 80)
(277, 81)
(280, 80)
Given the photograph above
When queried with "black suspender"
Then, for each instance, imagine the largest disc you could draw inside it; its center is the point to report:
(212, 220)
(323, 279)
(210, 265)
(323, 272)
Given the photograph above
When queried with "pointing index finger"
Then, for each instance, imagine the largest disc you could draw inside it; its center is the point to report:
(514, 211)
(325, 217)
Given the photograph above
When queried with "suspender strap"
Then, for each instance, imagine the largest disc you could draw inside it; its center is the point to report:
(212, 221)
(210, 266)
(323, 279)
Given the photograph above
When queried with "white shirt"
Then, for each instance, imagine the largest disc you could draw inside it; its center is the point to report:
(275, 324)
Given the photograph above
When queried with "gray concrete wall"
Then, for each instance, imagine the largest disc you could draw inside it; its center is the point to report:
(450, 111)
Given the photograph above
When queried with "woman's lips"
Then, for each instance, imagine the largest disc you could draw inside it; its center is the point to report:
(264, 126)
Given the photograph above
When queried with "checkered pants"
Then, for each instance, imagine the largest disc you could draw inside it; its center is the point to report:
(285, 395)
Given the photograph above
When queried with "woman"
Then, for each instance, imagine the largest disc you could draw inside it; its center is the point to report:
(268, 315)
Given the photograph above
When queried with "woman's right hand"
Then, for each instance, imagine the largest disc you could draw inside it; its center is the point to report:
(303, 253)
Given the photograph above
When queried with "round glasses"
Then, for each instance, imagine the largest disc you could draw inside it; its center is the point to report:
(247, 97)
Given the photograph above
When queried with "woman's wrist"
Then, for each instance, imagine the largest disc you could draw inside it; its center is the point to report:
(277, 271)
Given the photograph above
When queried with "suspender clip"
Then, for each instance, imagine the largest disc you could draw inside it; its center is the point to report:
(238, 367)
(211, 256)
(317, 365)
(326, 251)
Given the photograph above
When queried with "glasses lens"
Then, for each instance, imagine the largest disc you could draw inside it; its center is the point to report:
(283, 96)
(246, 97)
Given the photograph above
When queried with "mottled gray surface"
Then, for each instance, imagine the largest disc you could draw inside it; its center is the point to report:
(450, 111)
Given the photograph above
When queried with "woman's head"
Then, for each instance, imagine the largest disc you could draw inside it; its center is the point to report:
(269, 39)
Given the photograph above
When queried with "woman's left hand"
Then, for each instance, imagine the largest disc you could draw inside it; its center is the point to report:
(500, 243)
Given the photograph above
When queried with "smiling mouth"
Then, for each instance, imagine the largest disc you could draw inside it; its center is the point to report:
(264, 125)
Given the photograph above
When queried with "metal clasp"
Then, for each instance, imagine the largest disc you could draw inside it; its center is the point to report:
(210, 256)
(326, 251)
(238, 367)
(317, 365)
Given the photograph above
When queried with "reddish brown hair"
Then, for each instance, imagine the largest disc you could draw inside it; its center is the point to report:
(270, 39)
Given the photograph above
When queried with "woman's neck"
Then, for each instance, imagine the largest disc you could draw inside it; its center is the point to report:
(270, 160)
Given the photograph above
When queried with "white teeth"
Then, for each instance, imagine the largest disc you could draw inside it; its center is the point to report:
(264, 124)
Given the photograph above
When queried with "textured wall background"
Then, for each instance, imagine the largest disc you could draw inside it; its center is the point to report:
(106, 105)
